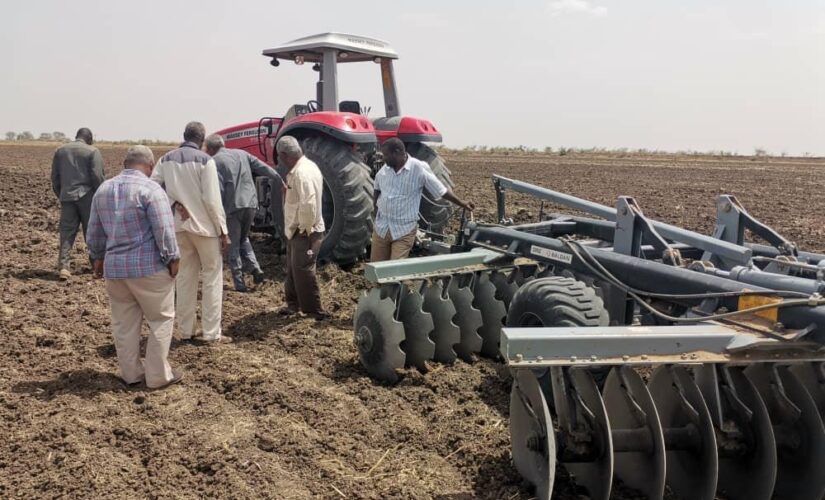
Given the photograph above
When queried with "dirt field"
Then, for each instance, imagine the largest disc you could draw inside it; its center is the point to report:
(287, 411)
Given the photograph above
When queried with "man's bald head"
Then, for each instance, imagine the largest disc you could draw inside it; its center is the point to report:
(85, 135)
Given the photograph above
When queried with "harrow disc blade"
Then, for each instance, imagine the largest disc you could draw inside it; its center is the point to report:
(630, 408)
(798, 430)
(597, 475)
(692, 465)
(812, 376)
(378, 335)
(750, 473)
(446, 334)
(506, 287)
(468, 319)
(531, 433)
(418, 327)
(493, 313)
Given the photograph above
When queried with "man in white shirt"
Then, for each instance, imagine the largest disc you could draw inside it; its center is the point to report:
(398, 188)
(191, 181)
(304, 228)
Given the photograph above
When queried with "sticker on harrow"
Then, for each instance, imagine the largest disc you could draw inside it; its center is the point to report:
(551, 254)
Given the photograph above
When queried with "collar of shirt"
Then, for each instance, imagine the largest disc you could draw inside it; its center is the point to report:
(298, 165)
(131, 172)
(189, 144)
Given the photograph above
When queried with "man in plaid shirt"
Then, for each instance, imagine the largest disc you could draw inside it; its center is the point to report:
(132, 243)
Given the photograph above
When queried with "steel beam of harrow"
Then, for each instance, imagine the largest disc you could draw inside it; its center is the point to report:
(733, 253)
(418, 268)
(644, 345)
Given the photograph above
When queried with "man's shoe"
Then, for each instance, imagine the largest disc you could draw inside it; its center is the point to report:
(258, 277)
(223, 339)
(132, 385)
(241, 288)
(64, 274)
(176, 377)
(321, 316)
(287, 311)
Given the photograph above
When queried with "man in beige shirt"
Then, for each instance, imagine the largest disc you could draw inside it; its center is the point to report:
(191, 181)
(304, 228)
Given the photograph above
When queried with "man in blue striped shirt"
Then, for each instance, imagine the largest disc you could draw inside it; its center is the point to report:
(398, 188)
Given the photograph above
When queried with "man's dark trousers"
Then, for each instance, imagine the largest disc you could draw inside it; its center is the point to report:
(301, 285)
(73, 214)
(241, 255)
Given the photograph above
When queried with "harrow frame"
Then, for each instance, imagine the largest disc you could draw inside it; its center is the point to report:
(735, 332)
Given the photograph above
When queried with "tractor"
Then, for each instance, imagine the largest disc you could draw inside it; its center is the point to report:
(343, 141)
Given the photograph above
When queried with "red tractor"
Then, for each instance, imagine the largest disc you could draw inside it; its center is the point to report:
(343, 141)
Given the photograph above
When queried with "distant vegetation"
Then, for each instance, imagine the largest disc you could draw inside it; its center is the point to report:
(61, 137)
(564, 151)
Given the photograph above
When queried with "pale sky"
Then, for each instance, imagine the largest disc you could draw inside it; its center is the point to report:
(658, 74)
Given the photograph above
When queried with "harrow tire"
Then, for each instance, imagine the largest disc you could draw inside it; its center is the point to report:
(348, 198)
(437, 214)
(556, 301)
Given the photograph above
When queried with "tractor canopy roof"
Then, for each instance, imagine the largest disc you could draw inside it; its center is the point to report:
(352, 48)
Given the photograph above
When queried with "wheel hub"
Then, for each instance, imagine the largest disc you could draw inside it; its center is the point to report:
(363, 339)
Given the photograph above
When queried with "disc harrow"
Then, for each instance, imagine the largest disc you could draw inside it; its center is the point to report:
(643, 355)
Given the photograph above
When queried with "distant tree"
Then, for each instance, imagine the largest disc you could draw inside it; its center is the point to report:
(10, 136)
(59, 136)
(45, 136)
(759, 152)
(25, 136)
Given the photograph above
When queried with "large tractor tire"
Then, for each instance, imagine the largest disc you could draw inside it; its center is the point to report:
(348, 198)
(435, 213)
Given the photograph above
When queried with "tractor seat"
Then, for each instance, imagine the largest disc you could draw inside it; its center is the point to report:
(295, 110)
(350, 107)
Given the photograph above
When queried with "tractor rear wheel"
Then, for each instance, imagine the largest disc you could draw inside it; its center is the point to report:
(348, 198)
(435, 213)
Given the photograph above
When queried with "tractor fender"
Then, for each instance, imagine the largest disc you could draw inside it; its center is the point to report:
(406, 128)
(249, 137)
(346, 127)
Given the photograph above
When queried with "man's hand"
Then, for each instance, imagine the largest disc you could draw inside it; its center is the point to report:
(173, 268)
(181, 210)
(97, 267)
(224, 244)
(469, 205)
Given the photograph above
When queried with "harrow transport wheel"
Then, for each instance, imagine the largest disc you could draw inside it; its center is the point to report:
(558, 301)
(493, 312)
(436, 212)
(693, 466)
(348, 198)
(418, 327)
(634, 425)
(467, 317)
(531, 433)
(747, 473)
(378, 335)
(446, 333)
(798, 430)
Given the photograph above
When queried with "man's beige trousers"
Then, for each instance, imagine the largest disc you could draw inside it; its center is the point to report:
(131, 300)
(200, 257)
(385, 248)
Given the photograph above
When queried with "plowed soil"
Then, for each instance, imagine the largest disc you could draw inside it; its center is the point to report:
(287, 411)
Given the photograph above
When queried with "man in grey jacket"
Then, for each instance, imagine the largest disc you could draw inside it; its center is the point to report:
(240, 202)
(77, 172)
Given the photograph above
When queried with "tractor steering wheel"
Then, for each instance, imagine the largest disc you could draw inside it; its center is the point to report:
(313, 106)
